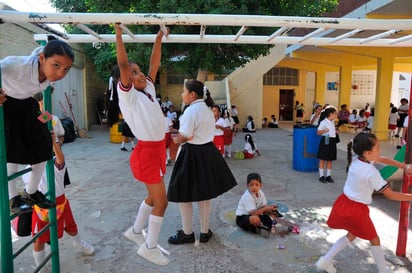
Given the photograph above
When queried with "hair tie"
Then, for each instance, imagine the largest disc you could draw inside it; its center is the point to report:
(204, 90)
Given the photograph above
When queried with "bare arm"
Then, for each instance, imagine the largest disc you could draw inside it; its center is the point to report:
(397, 196)
(122, 59)
(156, 55)
(389, 161)
(57, 151)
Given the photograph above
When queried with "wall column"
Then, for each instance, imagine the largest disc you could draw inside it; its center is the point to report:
(320, 86)
(345, 85)
(384, 77)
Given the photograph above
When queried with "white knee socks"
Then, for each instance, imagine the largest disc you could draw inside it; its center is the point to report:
(186, 211)
(142, 216)
(205, 209)
(379, 259)
(39, 256)
(336, 248)
(153, 230)
(36, 173)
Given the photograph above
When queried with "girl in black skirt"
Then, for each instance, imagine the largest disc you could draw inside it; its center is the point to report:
(200, 172)
(327, 146)
(28, 140)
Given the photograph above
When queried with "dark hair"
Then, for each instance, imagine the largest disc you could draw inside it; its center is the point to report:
(115, 73)
(253, 176)
(248, 138)
(361, 143)
(57, 47)
(404, 100)
(394, 110)
(198, 87)
(329, 109)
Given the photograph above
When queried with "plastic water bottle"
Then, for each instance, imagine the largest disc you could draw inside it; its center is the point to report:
(327, 139)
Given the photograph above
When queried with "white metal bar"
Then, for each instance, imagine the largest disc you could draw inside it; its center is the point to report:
(278, 32)
(378, 36)
(126, 30)
(226, 39)
(240, 33)
(204, 19)
(346, 35)
(400, 40)
(88, 30)
(310, 35)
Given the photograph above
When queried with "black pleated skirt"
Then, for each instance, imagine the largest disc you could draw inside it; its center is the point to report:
(200, 173)
(28, 141)
(327, 152)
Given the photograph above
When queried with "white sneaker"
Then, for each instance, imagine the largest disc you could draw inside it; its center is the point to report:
(153, 255)
(322, 264)
(84, 248)
(138, 238)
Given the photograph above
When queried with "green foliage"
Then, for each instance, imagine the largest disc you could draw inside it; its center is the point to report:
(217, 58)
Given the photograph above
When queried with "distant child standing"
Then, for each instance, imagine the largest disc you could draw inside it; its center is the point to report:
(127, 135)
(250, 147)
(253, 212)
(65, 219)
(327, 147)
(228, 132)
(28, 139)
(220, 127)
(393, 120)
(168, 128)
(140, 109)
(314, 118)
(350, 211)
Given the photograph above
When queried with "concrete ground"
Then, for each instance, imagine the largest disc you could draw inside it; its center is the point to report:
(104, 198)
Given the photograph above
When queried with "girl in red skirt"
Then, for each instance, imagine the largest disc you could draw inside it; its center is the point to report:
(142, 112)
(220, 128)
(350, 211)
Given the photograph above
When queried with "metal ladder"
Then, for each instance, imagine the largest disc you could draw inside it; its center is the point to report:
(6, 247)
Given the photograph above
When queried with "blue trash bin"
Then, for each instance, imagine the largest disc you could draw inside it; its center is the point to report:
(305, 148)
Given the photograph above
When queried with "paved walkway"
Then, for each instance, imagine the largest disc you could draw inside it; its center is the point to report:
(104, 198)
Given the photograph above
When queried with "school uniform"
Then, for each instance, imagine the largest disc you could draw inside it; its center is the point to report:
(200, 172)
(327, 151)
(351, 211)
(218, 139)
(247, 203)
(248, 151)
(28, 140)
(147, 160)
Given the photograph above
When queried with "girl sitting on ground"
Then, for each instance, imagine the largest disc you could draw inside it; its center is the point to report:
(250, 147)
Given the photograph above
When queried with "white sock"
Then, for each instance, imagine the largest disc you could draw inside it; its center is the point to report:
(142, 216)
(123, 144)
(36, 173)
(167, 154)
(328, 172)
(132, 143)
(379, 258)
(205, 209)
(336, 248)
(76, 238)
(39, 256)
(186, 211)
(12, 169)
(321, 172)
(155, 223)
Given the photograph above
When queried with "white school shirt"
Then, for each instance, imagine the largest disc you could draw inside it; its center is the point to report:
(370, 122)
(352, 118)
(248, 148)
(393, 118)
(20, 75)
(406, 122)
(315, 121)
(249, 202)
(362, 180)
(220, 122)
(229, 122)
(143, 115)
(330, 125)
(198, 121)
(57, 127)
(168, 124)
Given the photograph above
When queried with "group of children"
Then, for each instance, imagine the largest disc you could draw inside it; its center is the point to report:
(28, 140)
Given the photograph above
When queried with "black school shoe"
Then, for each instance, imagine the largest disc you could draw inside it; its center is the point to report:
(38, 199)
(322, 179)
(205, 237)
(181, 238)
(18, 206)
(329, 179)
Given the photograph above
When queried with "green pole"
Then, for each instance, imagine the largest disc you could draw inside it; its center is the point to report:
(54, 243)
(6, 247)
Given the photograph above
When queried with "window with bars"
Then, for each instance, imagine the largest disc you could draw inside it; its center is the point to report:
(281, 76)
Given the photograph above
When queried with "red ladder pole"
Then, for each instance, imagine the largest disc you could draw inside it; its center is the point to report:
(407, 182)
